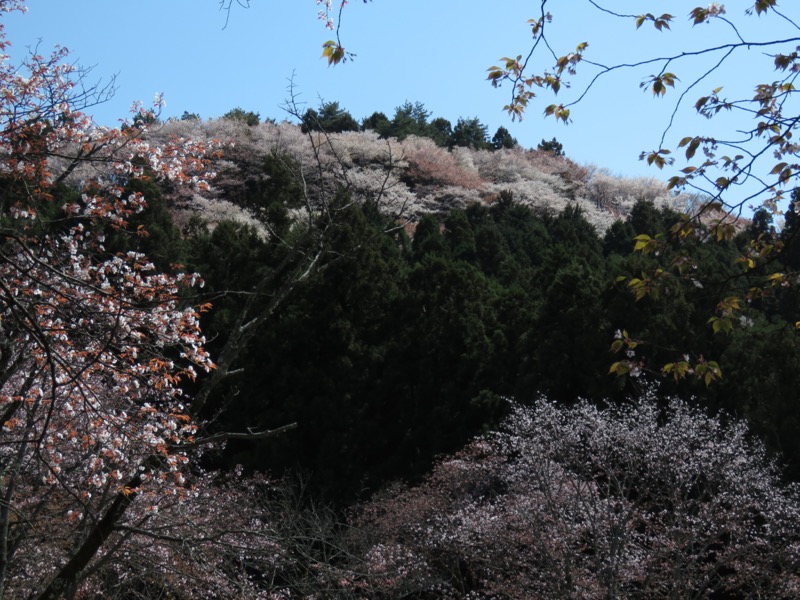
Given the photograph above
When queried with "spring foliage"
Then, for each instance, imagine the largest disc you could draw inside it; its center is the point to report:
(94, 344)
(631, 501)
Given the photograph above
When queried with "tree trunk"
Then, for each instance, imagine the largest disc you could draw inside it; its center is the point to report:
(70, 573)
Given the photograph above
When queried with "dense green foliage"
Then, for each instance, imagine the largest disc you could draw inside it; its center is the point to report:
(246, 116)
(330, 118)
(409, 119)
(399, 349)
(553, 146)
(400, 344)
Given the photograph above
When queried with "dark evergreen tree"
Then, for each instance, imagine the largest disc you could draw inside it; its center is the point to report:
(448, 353)
(570, 337)
(428, 239)
(790, 234)
(645, 218)
(762, 224)
(460, 236)
(553, 146)
(330, 118)
(410, 119)
(440, 130)
(619, 238)
(239, 114)
(760, 384)
(469, 133)
(503, 139)
(379, 123)
(321, 362)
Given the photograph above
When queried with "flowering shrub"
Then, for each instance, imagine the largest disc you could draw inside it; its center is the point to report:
(504, 165)
(384, 188)
(619, 194)
(93, 344)
(365, 148)
(430, 164)
(198, 548)
(626, 501)
(408, 178)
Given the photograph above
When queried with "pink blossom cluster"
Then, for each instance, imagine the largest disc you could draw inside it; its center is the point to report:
(198, 548)
(93, 345)
(646, 499)
(325, 13)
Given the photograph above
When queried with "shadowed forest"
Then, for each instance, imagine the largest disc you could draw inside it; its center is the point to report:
(467, 277)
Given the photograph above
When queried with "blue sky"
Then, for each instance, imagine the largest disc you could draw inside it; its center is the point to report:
(432, 51)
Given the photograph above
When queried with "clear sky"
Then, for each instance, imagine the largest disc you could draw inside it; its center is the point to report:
(432, 51)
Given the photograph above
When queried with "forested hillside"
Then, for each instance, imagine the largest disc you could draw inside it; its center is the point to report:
(452, 278)
(406, 166)
(386, 358)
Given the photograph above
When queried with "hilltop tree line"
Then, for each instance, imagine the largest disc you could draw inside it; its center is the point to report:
(409, 119)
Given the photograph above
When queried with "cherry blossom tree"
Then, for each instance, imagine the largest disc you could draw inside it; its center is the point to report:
(645, 499)
(97, 435)
(196, 547)
(100, 440)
